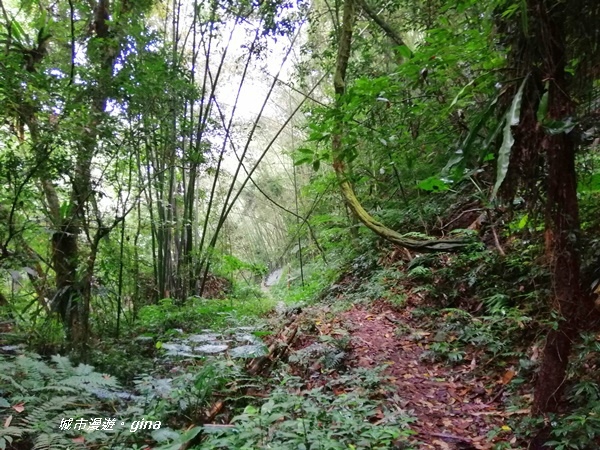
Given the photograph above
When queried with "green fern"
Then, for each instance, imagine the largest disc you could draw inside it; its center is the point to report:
(8, 435)
(51, 441)
(48, 393)
(328, 355)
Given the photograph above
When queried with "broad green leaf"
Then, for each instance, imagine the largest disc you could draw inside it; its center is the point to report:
(404, 51)
(510, 10)
(215, 428)
(184, 438)
(303, 160)
(457, 158)
(523, 222)
(165, 434)
(554, 127)
(461, 92)
(42, 19)
(433, 184)
(480, 122)
(250, 410)
(591, 184)
(316, 165)
(493, 135)
(317, 136)
(65, 209)
(524, 17)
(17, 30)
(512, 119)
(190, 434)
(465, 150)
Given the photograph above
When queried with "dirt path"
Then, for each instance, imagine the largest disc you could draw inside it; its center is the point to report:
(455, 409)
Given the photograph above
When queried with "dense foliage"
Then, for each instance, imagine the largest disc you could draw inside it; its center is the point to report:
(175, 168)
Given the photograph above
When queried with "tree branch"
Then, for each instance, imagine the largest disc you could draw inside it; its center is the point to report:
(389, 31)
(339, 82)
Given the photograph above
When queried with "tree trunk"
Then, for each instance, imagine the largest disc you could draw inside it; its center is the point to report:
(562, 214)
(73, 290)
(65, 253)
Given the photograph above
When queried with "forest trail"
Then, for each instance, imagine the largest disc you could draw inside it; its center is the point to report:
(455, 407)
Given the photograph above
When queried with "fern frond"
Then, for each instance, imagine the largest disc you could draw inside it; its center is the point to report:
(58, 388)
(63, 365)
(51, 441)
(8, 379)
(13, 431)
(84, 370)
(91, 382)
(34, 367)
(50, 393)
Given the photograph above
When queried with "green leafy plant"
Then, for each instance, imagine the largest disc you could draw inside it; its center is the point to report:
(329, 354)
(578, 430)
(198, 313)
(314, 419)
(444, 351)
(188, 395)
(36, 396)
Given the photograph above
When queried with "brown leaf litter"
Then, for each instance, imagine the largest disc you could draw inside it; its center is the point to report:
(456, 408)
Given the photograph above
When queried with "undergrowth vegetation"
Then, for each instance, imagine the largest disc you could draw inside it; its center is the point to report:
(299, 225)
(349, 413)
(476, 306)
(37, 396)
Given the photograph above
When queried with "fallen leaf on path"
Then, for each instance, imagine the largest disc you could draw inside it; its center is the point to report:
(441, 397)
(19, 407)
(507, 377)
(442, 444)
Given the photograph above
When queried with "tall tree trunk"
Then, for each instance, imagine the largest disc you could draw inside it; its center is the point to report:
(82, 195)
(541, 52)
(562, 214)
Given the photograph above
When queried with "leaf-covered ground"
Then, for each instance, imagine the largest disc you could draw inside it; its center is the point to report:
(457, 405)
(455, 408)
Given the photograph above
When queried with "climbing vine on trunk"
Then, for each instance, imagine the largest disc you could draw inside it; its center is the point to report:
(339, 80)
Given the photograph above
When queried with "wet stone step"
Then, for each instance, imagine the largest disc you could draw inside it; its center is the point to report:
(248, 351)
(239, 343)
(211, 348)
(208, 337)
